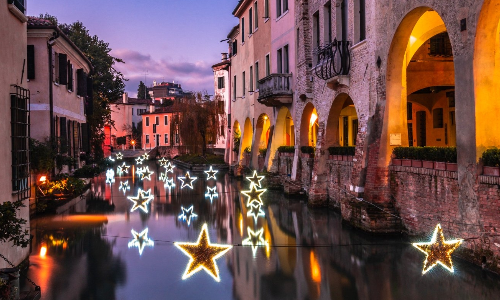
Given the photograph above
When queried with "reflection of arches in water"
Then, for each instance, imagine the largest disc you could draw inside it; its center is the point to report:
(309, 126)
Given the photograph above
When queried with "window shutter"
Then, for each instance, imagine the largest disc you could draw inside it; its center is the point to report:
(63, 135)
(85, 137)
(63, 69)
(70, 76)
(31, 61)
(81, 89)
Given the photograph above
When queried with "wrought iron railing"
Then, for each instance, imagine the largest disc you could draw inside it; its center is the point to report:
(333, 59)
(19, 4)
(275, 84)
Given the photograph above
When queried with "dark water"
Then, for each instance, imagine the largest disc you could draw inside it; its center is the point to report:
(306, 254)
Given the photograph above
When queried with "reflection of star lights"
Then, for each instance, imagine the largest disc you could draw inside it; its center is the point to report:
(187, 214)
(169, 183)
(110, 176)
(124, 186)
(187, 180)
(139, 171)
(111, 158)
(140, 240)
(142, 200)
(119, 156)
(438, 250)
(169, 168)
(254, 239)
(139, 160)
(202, 255)
(124, 168)
(146, 173)
(255, 211)
(212, 193)
(163, 161)
(253, 195)
(145, 156)
(255, 179)
(163, 177)
(211, 173)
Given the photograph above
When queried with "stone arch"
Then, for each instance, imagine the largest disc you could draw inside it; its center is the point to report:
(486, 68)
(342, 110)
(309, 126)
(246, 137)
(236, 142)
(283, 133)
(262, 131)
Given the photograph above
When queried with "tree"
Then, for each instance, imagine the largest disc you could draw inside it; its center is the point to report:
(142, 91)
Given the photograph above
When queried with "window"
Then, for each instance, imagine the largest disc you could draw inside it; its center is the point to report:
(20, 4)
(362, 20)
(437, 118)
(165, 119)
(328, 22)
(409, 111)
(285, 6)
(256, 15)
(63, 69)
(251, 78)
(132, 111)
(281, 7)
(266, 8)
(257, 75)
(157, 120)
(234, 88)
(220, 82)
(440, 45)
(147, 138)
(341, 17)
(250, 21)
(222, 131)
(268, 71)
(243, 83)
(82, 78)
(242, 30)
(166, 138)
(316, 34)
(286, 68)
(70, 76)
(234, 48)
(20, 134)
(279, 61)
(154, 128)
(31, 62)
(220, 107)
(278, 8)
(147, 121)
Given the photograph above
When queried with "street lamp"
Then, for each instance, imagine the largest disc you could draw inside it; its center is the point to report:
(133, 144)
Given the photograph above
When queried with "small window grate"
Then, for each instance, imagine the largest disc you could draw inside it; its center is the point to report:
(20, 134)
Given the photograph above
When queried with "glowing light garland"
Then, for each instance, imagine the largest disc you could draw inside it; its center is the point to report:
(169, 168)
(163, 161)
(254, 195)
(139, 160)
(146, 173)
(124, 186)
(141, 240)
(202, 255)
(187, 214)
(145, 156)
(142, 200)
(211, 173)
(119, 156)
(187, 180)
(110, 176)
(212, 193)
(255, 179)
(255, 239)
(256, 211)
(438, 250)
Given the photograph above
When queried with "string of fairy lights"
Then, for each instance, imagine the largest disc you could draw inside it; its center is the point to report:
(203, 254)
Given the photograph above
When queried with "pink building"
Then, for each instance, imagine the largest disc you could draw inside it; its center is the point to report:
(157, 130)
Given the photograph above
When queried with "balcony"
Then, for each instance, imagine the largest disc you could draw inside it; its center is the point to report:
(333, 62)
(275, 90)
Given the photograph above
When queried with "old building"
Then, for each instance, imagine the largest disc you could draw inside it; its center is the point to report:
(58, 74)
(222, 96)
(14, 112)
(157, 130)
(161, 91)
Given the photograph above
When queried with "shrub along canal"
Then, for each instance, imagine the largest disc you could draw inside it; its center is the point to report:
(109, 246)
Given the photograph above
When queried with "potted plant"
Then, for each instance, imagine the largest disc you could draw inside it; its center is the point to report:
(428, 157)
(451, 159)
(491, 161)
(416, 156)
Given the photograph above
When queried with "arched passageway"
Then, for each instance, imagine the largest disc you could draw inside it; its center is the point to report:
(246, 141)
(309, 126)
(236, 142)
(342, 124)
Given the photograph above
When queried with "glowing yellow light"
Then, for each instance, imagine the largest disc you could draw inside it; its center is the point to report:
(119, 156)
(132, 142)
(163, 161)
(187, 214)
(110, 176)
(255, 211)
(313, 119)
(254, 239)
(124, 186)
(140, 240)
(438, 250)
(142, 200)
(211, 173)
(145, 156)
(139, 160)
(169, 168)
(43, 251)
(255, 179)
(241, 224)
(254, 195)
(202, 255)
(43, 178)
(187, 180)
(146, 173)
(315, 269)
(212, 193)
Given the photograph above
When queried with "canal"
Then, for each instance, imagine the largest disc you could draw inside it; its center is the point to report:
(107, 246)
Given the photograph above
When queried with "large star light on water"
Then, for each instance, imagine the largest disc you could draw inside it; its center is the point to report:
(438, 250)
(202, 255)
(212, 193)
(187, 180)
(141, 200)
(255, 239)
(254, 195)
(187, 214)
(140, 240)
(255, 179)
(110, 176)
(211, 173)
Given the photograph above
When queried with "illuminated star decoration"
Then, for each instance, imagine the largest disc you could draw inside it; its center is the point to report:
(124, 186)
(110, 176)
(254, 239)
(145, 156)
(212, 193)
(146, 174)
(255, 179)
(202, 255)
(123, 168)
(169, 168)
(211, 173)
(119, 156)
(187, 180)
(187, 214)
(139, 160)
(255, 211)
(140, 240)
(142, 200)
(438, 250)
(254, 195)
(163, 161)
(111, 158)
(169, 183)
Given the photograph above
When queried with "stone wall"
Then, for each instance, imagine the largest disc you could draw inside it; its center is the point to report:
(339, 181)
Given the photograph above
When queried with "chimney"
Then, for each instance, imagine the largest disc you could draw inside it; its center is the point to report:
(125, 97)
(151, 108)
(224, 56)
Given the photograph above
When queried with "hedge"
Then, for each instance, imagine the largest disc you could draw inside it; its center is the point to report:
(444, 154)
(491, 157)
(286, 149)
(342, 150)
(307, 149)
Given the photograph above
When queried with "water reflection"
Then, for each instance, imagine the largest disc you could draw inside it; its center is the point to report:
(281, 249)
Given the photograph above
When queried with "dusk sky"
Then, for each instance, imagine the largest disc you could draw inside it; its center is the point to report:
(172, 40)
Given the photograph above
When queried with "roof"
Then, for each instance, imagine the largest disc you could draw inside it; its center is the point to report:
(139, 101)
(239, 5)
(162, 110)
(40, 23)
(233, 31)
(224, 63)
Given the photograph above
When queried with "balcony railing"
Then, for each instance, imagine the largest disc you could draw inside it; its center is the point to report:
(334, 59)
(275, 89)
(19, 4)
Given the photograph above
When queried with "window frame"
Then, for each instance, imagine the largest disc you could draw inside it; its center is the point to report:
(20, 135)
